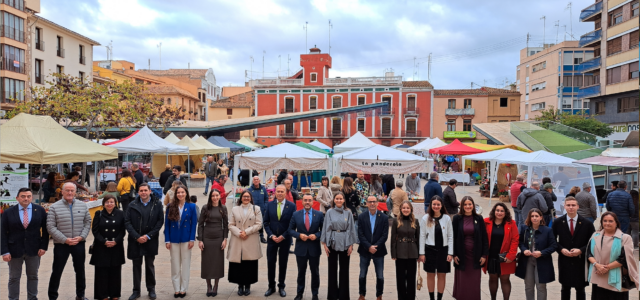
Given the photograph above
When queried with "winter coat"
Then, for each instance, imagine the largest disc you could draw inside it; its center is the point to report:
(59, 222)
(480, 241)
(108, 227)
(251, 223)
(172, 178)
(545, 242)
(588, 207)
(136, 229)
(515, 192)
(509, 245)
(621, 203)
(260, 196)
(531, 198)
(449, 200)
(432, 188)
(571, 270)
(548, 200)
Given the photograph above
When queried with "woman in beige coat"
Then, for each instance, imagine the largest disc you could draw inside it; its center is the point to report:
(397, 197)
(325, 195)
(245, 222)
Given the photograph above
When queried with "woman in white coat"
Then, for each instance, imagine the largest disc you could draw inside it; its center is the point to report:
(436, 245)
(245, 222)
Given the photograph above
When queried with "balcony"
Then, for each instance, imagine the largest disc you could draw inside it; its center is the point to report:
(589, 65)
(385, 133)
(411, 133)
(83, 60)
(460, 112)
(201, 103)
(336, 133)
(287, 110)
(60, 52)
(12, 33)
(587, 92)
(386, 112)
(40, 45)
(276, 82)
(387, 80)
(17, 4)
(590, 38)
(288, 133)
(588, 14)
(9, 64)
(202, 118)
(411, 111)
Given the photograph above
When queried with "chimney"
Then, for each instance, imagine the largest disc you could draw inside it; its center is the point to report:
(246, 84)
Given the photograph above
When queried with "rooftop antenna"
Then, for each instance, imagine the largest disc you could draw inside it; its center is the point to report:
(414, 69)
(570, 19)
(263, 53)
(544, 29)
(109, 50)
(306, 31)
(565, 32)
(429, 68)
(557, 29)
(251, 76)
(160, 51)
(330, 26)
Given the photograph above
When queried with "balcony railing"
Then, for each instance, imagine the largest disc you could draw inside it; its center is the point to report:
(385, 133)
(387, 80)
(590, 11)
(590, 37)
(60, 52)
(40, 45)
(83, 60)
(12, 33)
(287, 110)
(411, 133)
(288, 133)
(276, 82)
(589, 92)
(412, 111)
(336, 133)
(386, 112)
(589, 65)
(13, 65)
(17, 4)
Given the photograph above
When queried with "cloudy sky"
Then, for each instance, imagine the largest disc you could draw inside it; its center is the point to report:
(470, 40)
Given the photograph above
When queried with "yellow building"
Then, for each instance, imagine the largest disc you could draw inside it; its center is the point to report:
(234, 107)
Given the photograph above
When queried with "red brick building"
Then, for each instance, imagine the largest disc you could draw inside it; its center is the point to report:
(408, 119)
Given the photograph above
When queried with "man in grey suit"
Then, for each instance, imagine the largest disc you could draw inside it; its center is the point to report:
(69, 223)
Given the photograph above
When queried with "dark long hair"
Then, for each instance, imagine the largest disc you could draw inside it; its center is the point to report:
(323, 179)
(347, 186)
(464, 199)
(507, 213)
(239, 202)
(430, 211)
(209, 206)
(174, 209)
(344, 203)
(51, 178)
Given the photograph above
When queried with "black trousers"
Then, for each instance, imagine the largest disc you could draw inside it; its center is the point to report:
(565, 293)
(314, 267)
(124, 201)
(149, 273)
(277, 252)
(61, 254)
(108, 282)
(338, 259)
(406, 278)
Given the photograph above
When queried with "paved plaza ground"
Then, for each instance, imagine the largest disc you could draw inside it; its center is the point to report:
(226, 290)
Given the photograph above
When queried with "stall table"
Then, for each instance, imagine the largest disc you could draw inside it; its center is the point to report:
(197, 180)
(460, 177)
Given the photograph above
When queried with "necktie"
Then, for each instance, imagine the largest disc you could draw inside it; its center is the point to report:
(571, 225)
(279, 213)
(306, 221)
(25, 218)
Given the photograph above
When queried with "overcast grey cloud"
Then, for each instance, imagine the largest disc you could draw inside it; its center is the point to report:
(470, 40)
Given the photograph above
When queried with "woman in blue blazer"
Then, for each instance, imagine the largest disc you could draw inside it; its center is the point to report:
(179, 234)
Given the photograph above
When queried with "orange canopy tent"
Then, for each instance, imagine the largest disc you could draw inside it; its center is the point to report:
(457, 148)
(495, 147)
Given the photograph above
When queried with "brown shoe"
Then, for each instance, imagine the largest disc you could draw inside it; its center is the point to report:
(379, 298)
(361, 297)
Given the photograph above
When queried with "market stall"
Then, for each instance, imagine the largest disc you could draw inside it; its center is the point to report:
(495, 147)
(356, 141)
(249, 143)
(220, 141)
(172, 138)
(320, 145)
(427, 145)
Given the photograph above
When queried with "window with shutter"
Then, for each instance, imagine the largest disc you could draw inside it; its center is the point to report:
(614, 46)
(386, 126)
(451, 104)
(628, 104)
(288, 105)
(614, 75)
(336, 127)
(361, 100)
(615, 17)
(633, 70)
(411, 103)
(633, 39)
(288, 128)
(361, 125)
(313, 126)
(312, 102)
(337, 102)
(411, 126)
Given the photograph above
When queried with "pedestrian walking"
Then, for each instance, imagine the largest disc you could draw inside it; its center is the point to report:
(210, 172)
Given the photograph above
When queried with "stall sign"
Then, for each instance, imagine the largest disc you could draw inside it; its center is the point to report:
(459, 134)
(13, 177)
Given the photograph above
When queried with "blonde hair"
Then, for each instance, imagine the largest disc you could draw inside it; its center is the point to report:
(175, 185)
(575, 190)
(112, 187)
(411, 218)
(336, 180)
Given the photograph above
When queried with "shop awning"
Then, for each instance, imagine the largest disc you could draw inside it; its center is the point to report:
(627, 162)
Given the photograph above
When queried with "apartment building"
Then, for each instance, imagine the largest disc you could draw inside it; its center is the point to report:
(406, 120)
(610, 82)
(551, 76)
(238, 105)
(57, 49)
(455, 111)
(14, 39)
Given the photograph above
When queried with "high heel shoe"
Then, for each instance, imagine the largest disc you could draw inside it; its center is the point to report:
(214, 292)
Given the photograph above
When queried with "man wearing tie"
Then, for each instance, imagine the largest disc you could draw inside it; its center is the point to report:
(573, 233)
(24, 239)
(306, 226)
(276, 223)
(373, 230)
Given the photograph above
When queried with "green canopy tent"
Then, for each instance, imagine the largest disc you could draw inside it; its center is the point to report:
(312, 147)
(246, 148)
(316, 175)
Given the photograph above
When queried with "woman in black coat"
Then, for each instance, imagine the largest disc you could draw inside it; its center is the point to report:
(108, 250)
(470, 250)
(351, 199)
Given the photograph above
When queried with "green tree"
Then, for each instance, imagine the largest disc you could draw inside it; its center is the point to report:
(577, 121)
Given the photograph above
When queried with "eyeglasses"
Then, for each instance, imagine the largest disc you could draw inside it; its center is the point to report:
(372, 202)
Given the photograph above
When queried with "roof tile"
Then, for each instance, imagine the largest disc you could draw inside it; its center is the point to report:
(417, 84)
(458, 92)
(176, 72)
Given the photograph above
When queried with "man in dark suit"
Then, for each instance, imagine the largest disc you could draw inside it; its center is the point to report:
(373, 231)
(573, 233)
(24, 239)
(276, 224)
(306, 226)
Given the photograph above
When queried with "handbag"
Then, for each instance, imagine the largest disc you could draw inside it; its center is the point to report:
(502, 257)
(626, 281)
(132, 191)
(419, 280)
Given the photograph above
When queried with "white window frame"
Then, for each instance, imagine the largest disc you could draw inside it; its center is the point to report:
(365, 124)
(336, 118)
(309, 126)
(311, 77)
(358, 96)
(406, 101)
(341, 100)
(410, 118)
(309, 101)
(390, 122)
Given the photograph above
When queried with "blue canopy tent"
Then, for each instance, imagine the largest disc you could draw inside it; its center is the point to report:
(222, 142)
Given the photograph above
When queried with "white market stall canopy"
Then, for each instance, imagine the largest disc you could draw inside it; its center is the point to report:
(33, 139)
(144, 140)
(357, 141)
(249, 143)
(172, 138)
(282, 156)
(320, 145)
(491, 156)
(210, 147)
(427, 144)
(621, 152)
(194, 148)
(378, 159)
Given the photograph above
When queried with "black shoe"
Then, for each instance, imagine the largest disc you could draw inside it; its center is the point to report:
(282, 293)
(298, 297)
(183, 295)
(263, 240)
(315, 297)
(134, 296)
(291, 252)
(204, 193)
(81, 298)
(247, 290)
(240, 290)
(152, 294)
(176, 295)
(269, 292)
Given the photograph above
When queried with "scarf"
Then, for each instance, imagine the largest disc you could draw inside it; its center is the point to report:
(615, 275)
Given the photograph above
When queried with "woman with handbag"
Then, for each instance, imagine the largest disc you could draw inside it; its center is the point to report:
(535, 265)
(107, 251)
(503, 237)
(338, 236)
(126, 188)
(179, 236)
(436, 245)
(245, 222)
(613, 270)
(471, 248)
(213, 230)
(405, 234)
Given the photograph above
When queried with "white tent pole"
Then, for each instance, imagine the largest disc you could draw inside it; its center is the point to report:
(189, 164)
(235, 178)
